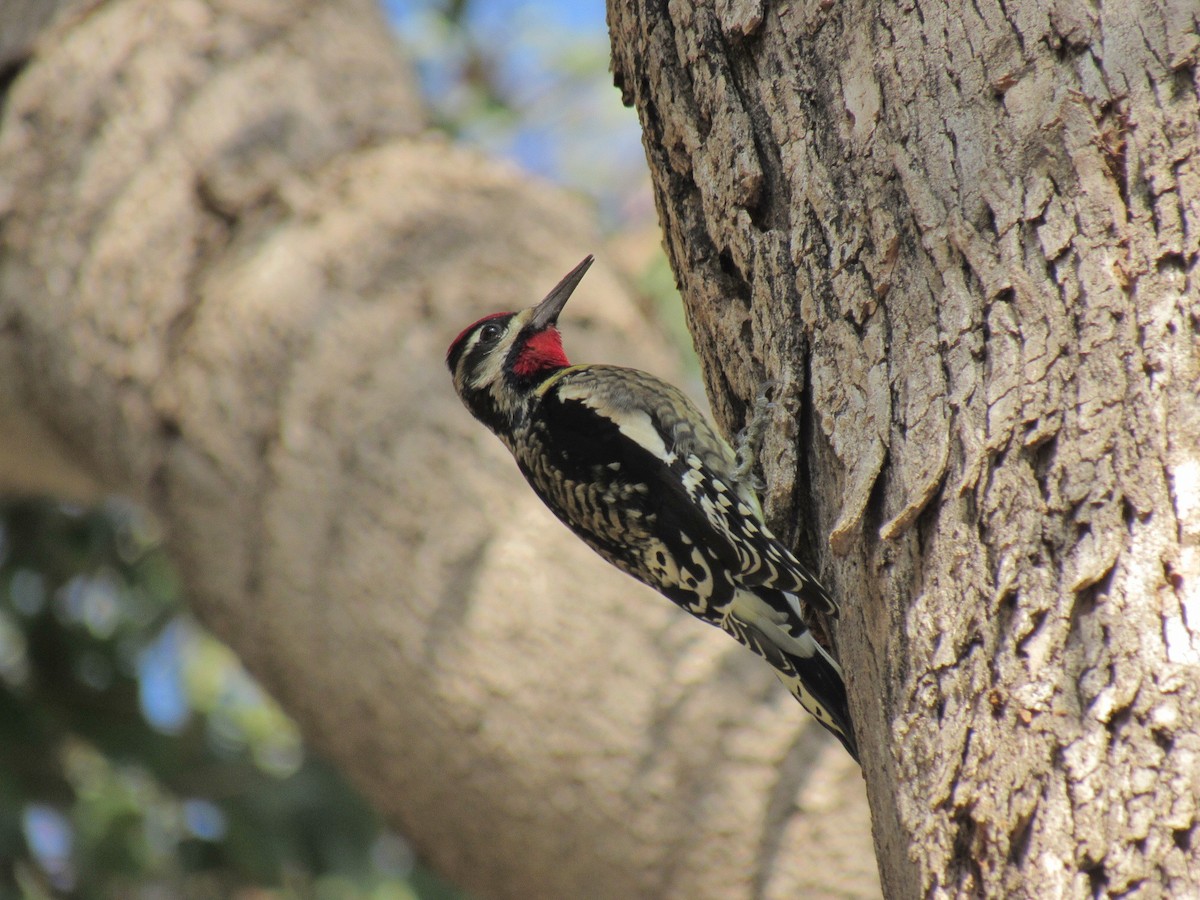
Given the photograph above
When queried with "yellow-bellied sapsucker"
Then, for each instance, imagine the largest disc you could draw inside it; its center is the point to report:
(630, 465)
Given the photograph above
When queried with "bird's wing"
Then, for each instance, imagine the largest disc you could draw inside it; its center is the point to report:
(683, 450)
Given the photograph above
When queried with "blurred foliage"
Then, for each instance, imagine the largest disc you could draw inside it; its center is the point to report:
(137, 758)
(527, 80)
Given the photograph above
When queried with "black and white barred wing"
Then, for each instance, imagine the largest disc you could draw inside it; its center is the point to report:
(735, 513)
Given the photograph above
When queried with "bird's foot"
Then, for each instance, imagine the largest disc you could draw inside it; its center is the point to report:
(750, 438)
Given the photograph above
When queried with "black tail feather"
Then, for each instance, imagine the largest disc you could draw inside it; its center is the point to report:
(820, 678)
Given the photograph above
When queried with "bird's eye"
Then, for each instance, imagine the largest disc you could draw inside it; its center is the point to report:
(490, 332)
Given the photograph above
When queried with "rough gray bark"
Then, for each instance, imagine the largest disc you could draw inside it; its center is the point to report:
(230, 264)
(966, 236)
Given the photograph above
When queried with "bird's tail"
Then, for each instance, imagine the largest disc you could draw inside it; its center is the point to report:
(816, 681)
(771, 629)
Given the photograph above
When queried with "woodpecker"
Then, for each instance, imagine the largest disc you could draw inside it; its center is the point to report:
(629, 464)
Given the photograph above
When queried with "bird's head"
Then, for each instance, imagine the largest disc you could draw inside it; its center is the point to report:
(498, 361)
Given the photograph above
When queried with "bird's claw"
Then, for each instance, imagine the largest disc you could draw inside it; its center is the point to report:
(749, 439)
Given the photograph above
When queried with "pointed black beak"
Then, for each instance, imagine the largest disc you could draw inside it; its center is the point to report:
(546, 313)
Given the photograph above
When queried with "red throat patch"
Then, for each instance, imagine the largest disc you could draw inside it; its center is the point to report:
(541, 352)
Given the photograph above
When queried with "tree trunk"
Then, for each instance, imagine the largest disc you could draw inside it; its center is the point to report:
(231, 262)
(965, 239)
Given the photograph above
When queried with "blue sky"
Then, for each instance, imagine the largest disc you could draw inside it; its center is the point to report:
(546, 102)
